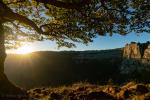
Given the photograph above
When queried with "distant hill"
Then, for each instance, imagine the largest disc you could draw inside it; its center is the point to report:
(50, 68)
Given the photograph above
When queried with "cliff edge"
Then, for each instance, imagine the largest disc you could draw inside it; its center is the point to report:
(136, 58)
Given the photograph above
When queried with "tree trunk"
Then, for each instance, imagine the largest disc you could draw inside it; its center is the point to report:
(2, 49)
(6, 87)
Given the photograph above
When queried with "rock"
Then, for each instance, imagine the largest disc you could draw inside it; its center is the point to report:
(111, 90)
(45, 93)
(81, 89)
(37, 96)
(128, 85)
(123, 94)
(136, 58)
(147, 53)
(136, 51)
(132, 51)
(55, 96)
(142, 89)
(138, 97)
(37, 91)
(100, 96)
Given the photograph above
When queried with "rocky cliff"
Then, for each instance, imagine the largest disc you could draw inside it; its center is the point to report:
(137, 50)
(136, 58)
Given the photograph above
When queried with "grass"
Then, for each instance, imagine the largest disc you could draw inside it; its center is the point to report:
(87, 91)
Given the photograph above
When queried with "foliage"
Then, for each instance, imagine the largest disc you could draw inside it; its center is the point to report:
(67, 25)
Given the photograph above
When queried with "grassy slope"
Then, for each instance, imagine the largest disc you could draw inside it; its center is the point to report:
(86, 91)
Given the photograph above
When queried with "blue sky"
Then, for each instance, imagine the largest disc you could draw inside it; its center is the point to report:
(100, 43)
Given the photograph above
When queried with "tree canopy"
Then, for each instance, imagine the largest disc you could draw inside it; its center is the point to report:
(69, 21)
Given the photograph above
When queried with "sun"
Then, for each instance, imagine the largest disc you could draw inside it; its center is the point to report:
(24, 50)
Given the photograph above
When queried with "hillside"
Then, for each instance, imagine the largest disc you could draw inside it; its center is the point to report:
(59, 68)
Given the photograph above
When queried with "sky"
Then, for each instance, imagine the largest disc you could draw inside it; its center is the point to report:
(99, 43)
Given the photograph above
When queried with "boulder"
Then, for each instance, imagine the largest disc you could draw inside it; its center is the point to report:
(142, 89)
(100, 96)
(55, 96)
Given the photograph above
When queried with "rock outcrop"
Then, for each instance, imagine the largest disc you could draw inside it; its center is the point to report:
(147, 53)
(136, 58)
(132, 51)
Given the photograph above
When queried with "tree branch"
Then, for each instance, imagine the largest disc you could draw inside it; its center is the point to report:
(14, 2)
(9, 15)
(26, 21)
(67, 5)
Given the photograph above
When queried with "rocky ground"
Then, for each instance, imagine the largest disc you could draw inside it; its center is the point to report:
(85, 91)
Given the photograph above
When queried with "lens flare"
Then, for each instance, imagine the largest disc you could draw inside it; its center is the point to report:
(24, 50)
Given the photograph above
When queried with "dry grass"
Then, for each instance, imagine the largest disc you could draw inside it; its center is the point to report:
(86, 91)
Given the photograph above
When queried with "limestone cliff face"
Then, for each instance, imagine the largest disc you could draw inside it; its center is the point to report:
(147, 53)
(132, 51)
(136, 58)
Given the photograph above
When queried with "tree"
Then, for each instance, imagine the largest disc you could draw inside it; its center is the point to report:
(68, 21)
